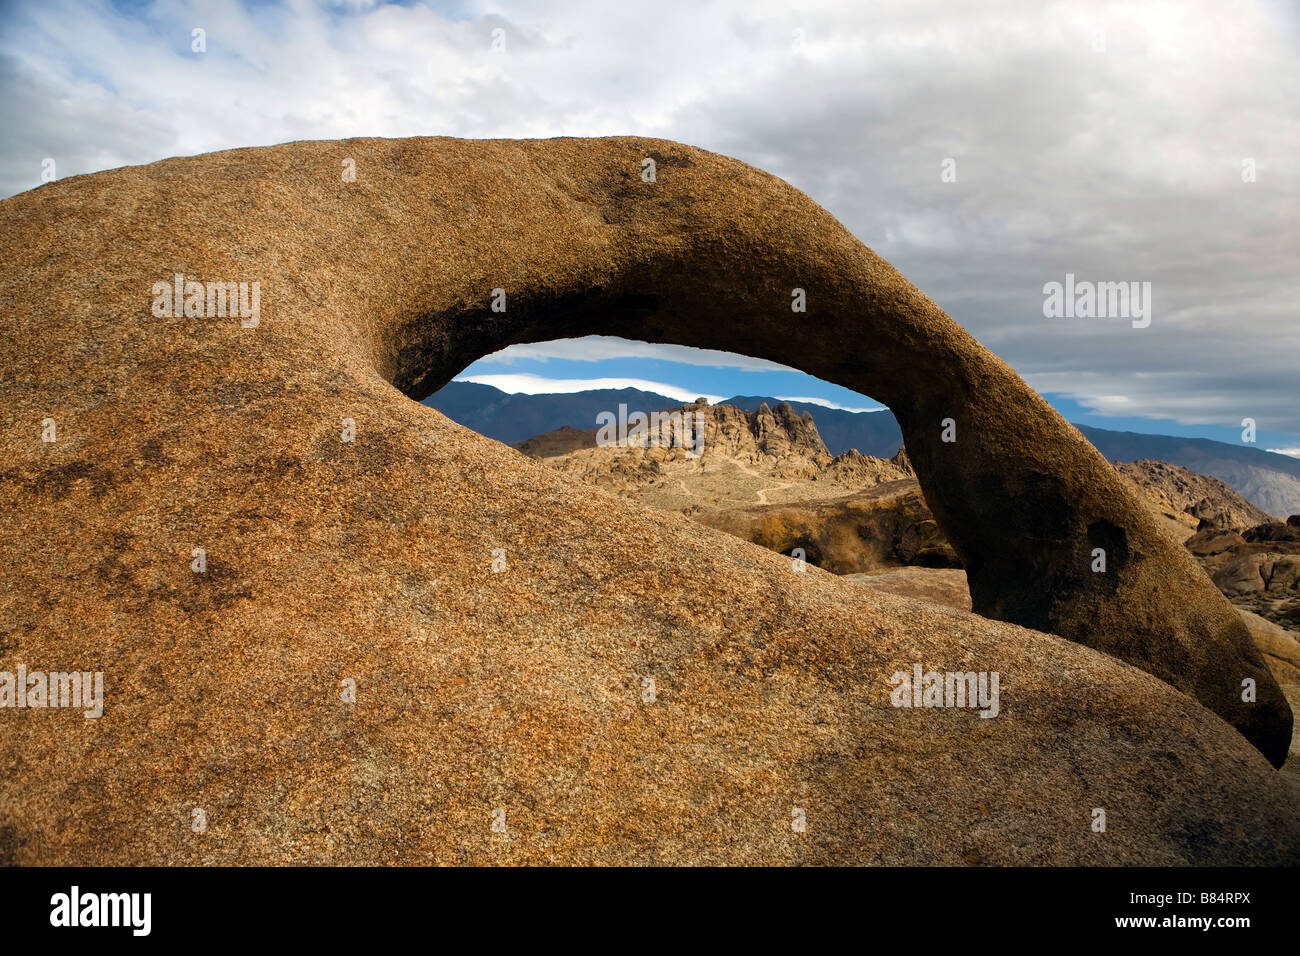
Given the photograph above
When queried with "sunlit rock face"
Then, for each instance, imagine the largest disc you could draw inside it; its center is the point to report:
(347, 630)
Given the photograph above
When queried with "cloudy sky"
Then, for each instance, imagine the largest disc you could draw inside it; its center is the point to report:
(984, 148)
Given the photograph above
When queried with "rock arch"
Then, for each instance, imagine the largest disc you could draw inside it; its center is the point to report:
(708, 255)
(375, 559)
(409, 256)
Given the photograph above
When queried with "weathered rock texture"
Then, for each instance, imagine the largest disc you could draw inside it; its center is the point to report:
(946, 587)
(1279, 646)
(943, 586)
(525, 690)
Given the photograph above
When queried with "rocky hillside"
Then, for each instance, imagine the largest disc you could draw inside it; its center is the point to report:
(774, 456)
(767, 456)
(349, 631)
(1195, 501)
(1269, 481)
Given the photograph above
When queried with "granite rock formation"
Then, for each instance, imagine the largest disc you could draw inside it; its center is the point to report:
(1198, 502)
(736, 459)
(335, 627)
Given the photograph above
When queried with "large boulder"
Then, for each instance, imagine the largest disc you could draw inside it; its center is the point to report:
(1285, 573)
(419, 645)
(1244, 574)
(943, 586)
(1209, 542)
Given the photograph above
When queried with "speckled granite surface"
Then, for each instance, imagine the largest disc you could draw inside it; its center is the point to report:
(506, 716)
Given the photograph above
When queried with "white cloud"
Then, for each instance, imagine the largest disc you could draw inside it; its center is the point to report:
(537, 385)
(599, 348)
(1293, 452)
(827, 403)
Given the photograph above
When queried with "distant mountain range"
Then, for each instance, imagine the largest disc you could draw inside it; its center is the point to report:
(513, 418)
(1265, 479)
(1269, 481)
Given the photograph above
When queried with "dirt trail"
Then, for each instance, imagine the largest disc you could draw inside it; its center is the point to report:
(762, 492)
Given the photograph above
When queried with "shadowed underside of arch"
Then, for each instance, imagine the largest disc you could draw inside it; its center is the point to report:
(372, 558)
